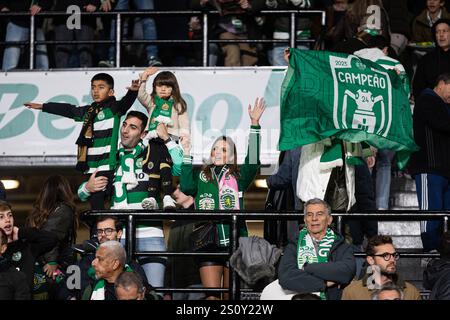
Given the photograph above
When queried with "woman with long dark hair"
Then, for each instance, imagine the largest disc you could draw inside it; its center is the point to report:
(54, 211)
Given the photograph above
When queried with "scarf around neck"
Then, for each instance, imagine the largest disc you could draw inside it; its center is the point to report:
(306, 251)
(125, 178)
(219, 193)
(98, 293)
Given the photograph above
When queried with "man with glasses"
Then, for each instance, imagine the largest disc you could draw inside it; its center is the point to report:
(381, 257)
(108, 228)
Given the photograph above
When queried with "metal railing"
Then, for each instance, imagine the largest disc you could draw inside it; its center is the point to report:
(119, 15)
(234, 218)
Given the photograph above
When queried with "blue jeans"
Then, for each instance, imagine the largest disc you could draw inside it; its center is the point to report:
(278, 54)
(433, 193)
(383, 179)
(148, 25)
(11, 55)
(154, 267)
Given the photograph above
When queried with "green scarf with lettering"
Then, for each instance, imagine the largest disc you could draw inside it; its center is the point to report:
(162, 113)
(125, 178)
(306, 251)
(219, 193)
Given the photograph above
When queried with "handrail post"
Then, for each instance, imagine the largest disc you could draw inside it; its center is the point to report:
(339, 224)
(32, 40)
(445, 223)
(205, 40)
(235, 292)
(131, 239)
(118, 38)
(293, 33)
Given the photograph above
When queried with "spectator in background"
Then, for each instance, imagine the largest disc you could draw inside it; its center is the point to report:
(107, 228)
(334, 14)
(148, 29)
(436, 276)
(282, 27)
(422, 24)
(2, 191)
(399, 21)
(18, 29)
(382, 259)
(83, 51)
(430, 166)
(237, 21)
(129, 286)
(388, 291)
(13, 283)
(54, 211)
(109, 263)
(359, 18)
(24, 244)
(435, 62)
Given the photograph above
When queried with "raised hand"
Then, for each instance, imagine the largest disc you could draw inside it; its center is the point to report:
(161, 130)
(35, 9)
(106, 5)
(257, 111)
(186, 145)
(134, 85)
(148, 72)
(32, 105)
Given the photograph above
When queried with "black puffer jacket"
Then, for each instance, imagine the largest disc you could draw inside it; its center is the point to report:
(13, 283)
(436, 278)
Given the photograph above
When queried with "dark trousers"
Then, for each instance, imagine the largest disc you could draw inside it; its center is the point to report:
(365, 200)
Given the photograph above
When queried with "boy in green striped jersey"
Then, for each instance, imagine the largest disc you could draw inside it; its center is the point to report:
(97, 143)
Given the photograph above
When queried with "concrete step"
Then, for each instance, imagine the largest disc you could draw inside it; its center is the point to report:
(404, 200)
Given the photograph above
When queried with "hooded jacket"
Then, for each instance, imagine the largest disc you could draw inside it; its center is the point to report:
(340, 269)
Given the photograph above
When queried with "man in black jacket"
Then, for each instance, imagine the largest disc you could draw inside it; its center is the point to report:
(322, 263)
(24, 244)
(436, 62)
(13, 283)
(436, 276)
(431, 164)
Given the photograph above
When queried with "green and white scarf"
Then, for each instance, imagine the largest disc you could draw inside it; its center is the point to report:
(332, 154)
(125, 178)
(220, 193)
(162, 113)
(98, 293)
(306, 251)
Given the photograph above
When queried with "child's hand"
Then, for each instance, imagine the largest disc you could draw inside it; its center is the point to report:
(287, 55)
(134, 85)
(32, 105)
(258, 110)
(186, 145)
(148, 72)
(15, 234)
(161, 130)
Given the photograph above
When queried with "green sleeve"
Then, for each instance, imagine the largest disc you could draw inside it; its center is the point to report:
(176, 153)
(249, 169)
(83, 193)
(188, 181)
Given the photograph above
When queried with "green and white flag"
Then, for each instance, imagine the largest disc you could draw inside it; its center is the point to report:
(328, 94)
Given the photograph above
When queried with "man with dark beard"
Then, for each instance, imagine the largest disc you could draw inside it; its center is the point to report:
(381, 257)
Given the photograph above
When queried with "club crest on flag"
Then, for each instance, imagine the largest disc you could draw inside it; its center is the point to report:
(362, 96)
